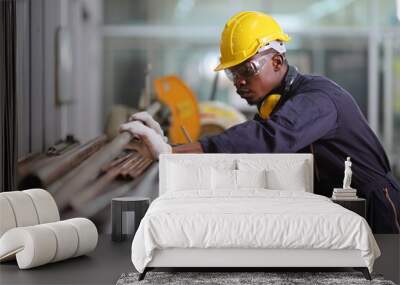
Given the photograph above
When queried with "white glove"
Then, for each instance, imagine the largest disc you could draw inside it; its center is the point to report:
(148, 120)
(151, 144)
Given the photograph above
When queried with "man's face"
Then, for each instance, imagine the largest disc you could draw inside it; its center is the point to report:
(257, 76)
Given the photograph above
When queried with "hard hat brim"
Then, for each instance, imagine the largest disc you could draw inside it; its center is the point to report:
(223, 66)
(283, 37)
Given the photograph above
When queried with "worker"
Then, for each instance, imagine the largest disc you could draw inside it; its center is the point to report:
(297, 113)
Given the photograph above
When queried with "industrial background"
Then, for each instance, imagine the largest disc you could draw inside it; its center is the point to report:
(82, 66)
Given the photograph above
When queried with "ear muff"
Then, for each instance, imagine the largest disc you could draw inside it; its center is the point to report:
(268, 105)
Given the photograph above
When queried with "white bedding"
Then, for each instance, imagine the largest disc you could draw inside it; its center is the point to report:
(253, 218)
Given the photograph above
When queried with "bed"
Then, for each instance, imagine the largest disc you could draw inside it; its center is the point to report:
(247, 210)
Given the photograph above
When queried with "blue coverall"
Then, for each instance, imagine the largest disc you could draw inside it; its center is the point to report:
(320, 116)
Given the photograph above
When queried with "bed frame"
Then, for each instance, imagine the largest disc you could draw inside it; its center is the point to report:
(242, 259)
(245, 258)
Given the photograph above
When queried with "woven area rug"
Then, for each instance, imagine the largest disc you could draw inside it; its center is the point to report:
(229, 278)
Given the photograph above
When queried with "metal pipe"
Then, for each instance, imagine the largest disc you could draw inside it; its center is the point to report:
(117, 161)
(64, 146)
(96, 188)
(154, 108)
(65, 188)
(44, 175)
(102, 201)
(137, 172)
(25, 165)
(132, 164)
(78, 201)
(69, 185)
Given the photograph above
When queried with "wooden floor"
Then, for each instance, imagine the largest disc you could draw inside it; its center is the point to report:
(110, 259)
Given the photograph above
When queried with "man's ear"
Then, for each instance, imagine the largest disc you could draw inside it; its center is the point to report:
(277, 62)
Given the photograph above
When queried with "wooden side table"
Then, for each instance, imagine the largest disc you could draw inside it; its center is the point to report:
(121, 205)
(357, 205)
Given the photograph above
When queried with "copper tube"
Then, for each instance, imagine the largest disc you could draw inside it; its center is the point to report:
(132, 165)
(117, 161)
(102, 201)
(65, 188)
(128, 164)
(100, 184)
(139, 171)
(134, 169)
(56, 167)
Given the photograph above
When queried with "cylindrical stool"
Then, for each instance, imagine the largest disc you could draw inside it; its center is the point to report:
(119, 206)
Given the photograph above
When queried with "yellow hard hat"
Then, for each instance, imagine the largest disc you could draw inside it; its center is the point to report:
(244, 34)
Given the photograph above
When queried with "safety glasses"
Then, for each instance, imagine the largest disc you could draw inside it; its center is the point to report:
(248, 69)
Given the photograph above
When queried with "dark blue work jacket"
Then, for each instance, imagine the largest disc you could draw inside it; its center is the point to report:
(319, 116)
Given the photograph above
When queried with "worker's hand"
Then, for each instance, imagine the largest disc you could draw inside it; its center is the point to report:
(148, 142)
(148, 120)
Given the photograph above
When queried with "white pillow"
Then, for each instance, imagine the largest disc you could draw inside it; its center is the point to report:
(251, 178)
(282, 174)
(226, 179)
(184, 177)
(293, 179)
(223, 179)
